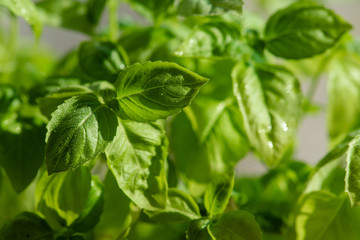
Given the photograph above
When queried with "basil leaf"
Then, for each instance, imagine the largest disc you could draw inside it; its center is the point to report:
(118, 212)
(198, 230)
(179, 207)
(9, 100)
(215, 38)
(302, 30)
(218, 193)
(27, 225)
(343, 87)
(209, 138)
(93, 208)
(136, 158)
(209, 7)
(352, 185)
(235, 225)
(76, 15)
(102, 60)
(322, 215)
(27, 10)
(21, 160)
(154, 90)
(270, 103)
(65, 194)
(79, 130)
(152, 9)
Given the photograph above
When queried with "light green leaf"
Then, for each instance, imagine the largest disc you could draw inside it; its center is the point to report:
(62, 197)
(21, 154)
(325, 216)
(78, 131)
(154, 90)
(207, 140)
(27, 10)
(343, 87)
(302, 30)
(136, 158)
(209, 7)
(352, 178)
(218, 193)
(27, 225)
(92, 210)
(102, 60)
(152, 9)
(235, 225)
(270, 103)
(198, 230)
(214, 38)
(179, 207)
(118, 212)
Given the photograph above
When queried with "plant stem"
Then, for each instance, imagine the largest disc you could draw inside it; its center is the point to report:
(113, 20)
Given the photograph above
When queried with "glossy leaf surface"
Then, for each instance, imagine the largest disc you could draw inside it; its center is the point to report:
(136, 158)
(303, 30)
(270, 103)
(352, 178)
(154, 90)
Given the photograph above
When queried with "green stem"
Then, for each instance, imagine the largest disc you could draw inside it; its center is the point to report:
(113, 20)
(316, 79)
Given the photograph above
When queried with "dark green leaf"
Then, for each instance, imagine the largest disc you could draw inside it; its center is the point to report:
(26, 226)
(302, 30)
(198, 230)
(92, 210)
(78, 131)
(218, 193)
(270, 103)
(70, 14)
(235, 225)
(325, 216)
(21, 154)
(207, 140)
(343, 86)
(66, 194)
(27, 10)
(154, 90)
(209, 7)
(136, 158)
(9, 100)
(102, 60)
(117, 215)
(352, 178)
(179, 207)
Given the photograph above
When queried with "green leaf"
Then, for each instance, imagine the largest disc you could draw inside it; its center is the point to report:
(343, 87)
(235, 225)
(198, 230)
(217, 37)
(77, 15)
(66, 194)
(154, 90)
(302, 30)
(21, 154)
(118, 212)
(207, 140)
(102, 60)
(93, 208)
(27, 10)
(9, 100)
(78, 131)
(27, 225)
(270, 103)
(179, 207)
(136, 157)
(325, 216)
(209, 7)
(352, 183)
(218, 193)
(152, 9)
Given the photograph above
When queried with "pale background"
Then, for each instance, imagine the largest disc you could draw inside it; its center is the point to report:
(312, 140)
